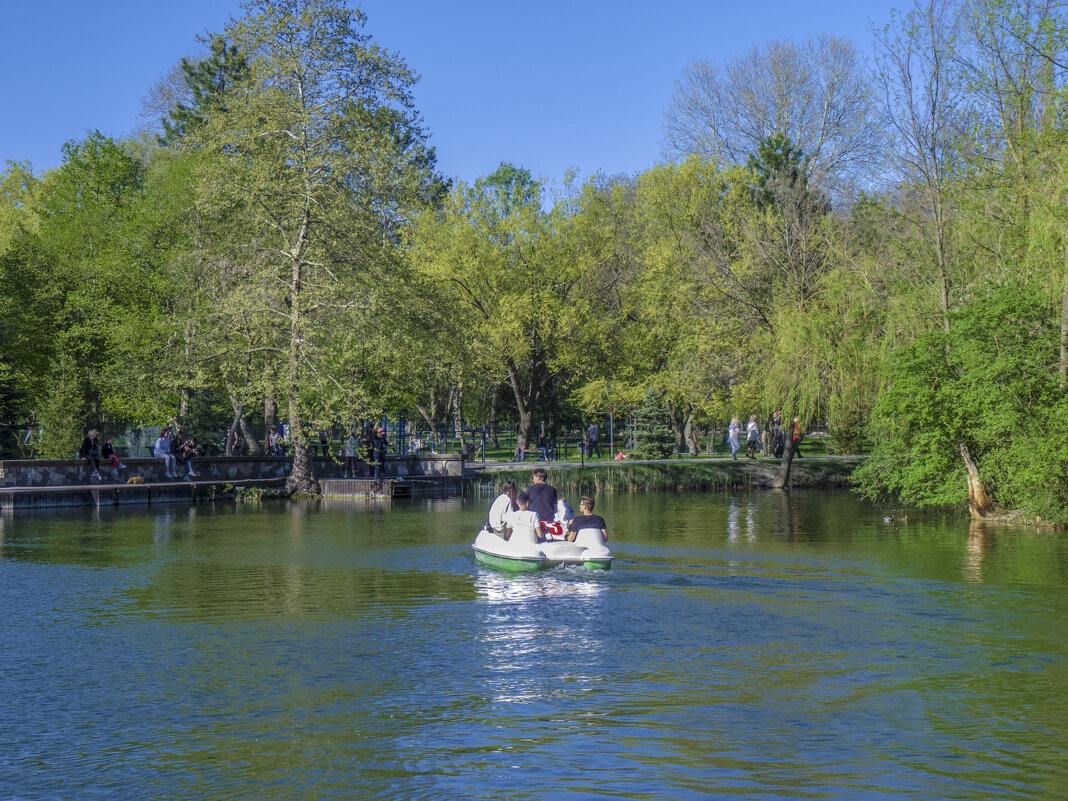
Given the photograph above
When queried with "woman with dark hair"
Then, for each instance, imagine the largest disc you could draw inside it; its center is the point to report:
(107, 452)
(504, 504)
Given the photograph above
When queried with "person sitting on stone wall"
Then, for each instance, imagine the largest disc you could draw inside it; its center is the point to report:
(107, 452)
(188, 451)
(90, 452)
(161, 449)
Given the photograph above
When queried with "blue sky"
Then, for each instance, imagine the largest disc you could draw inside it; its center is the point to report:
(548, 85)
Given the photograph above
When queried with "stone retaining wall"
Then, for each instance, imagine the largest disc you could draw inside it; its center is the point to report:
(67, 473)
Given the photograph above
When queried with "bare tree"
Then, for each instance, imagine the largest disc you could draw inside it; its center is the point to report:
(162, 97)
(925, 104)
(817, 93)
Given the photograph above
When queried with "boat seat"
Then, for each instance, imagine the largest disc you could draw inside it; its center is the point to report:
(524, 535)
(590, 538)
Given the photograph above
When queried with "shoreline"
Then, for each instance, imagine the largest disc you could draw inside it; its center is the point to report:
(695, 473)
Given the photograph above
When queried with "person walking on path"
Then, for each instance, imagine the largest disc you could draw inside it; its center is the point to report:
(378, 452)
(734, 431)
(798, 435)
(752, 437)
(593, 436)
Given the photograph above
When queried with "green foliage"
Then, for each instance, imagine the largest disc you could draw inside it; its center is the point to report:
(63, 411)
(653, 438)
(989, 385)
(777, 162)
(19, 197)
(209, 80)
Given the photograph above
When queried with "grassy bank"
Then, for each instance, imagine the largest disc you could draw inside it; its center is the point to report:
(672, 476)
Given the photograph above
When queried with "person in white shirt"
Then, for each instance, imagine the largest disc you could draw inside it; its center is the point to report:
(524, 517)
(161, 449)
(752, 437)
(564, 513)
(501, 507)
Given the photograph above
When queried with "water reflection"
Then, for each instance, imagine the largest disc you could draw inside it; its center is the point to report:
(280, 651)
(537, 632)
(977, 543)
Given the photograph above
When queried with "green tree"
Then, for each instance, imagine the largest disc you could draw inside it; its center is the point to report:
(81, 295)
(208, 80)
(653, 438)
(502, 265)
(992, 390)
(313, 186)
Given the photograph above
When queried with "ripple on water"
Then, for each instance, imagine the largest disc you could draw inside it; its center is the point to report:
(742, 648)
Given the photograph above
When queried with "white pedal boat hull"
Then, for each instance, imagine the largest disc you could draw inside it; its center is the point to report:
(522, 551)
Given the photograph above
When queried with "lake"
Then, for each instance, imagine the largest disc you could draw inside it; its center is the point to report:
(756, 645)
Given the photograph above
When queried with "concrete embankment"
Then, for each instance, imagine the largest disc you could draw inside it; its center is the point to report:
(826, 472)
(32, 483)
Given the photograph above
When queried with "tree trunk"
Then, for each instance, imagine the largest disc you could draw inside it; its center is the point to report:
(677, 427)
(252, 445)
(525, 405)
(690, 434)
(493, 417)
(270, 416)
(979, 503)
(183, 407)
(526, 422)
(430, 413)
(782, 477)
(232, 435)
(457, 414)
(1064, 334)
(302, 480)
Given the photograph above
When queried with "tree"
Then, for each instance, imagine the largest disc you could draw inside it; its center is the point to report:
(309, 171)
(652, 432)
(82, 297)
(993, 392)
(208, 81)
(20, 192)
(816, 93)
(501, 263)
(925, 105)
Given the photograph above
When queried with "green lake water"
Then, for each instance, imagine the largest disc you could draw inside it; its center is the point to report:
(757, 645)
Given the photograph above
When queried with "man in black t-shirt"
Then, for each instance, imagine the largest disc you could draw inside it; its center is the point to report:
(586, 519)
(542, 496)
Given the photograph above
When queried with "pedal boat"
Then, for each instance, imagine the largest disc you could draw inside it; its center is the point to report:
(522, 551)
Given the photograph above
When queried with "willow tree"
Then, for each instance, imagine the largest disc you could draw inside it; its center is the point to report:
(317, 156)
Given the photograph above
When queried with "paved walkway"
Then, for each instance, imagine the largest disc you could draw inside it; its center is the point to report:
(531, 464)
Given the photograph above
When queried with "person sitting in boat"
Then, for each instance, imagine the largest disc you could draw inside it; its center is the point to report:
(586, 519)
(501, 507)
(564, 513)
(543, 500)
(524, 516)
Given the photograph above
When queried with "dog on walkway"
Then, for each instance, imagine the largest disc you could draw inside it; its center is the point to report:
(135, 480)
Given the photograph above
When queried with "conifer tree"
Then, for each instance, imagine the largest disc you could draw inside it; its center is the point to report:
(653, 438)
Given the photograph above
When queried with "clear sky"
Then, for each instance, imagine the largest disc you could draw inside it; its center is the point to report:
(549, 85)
